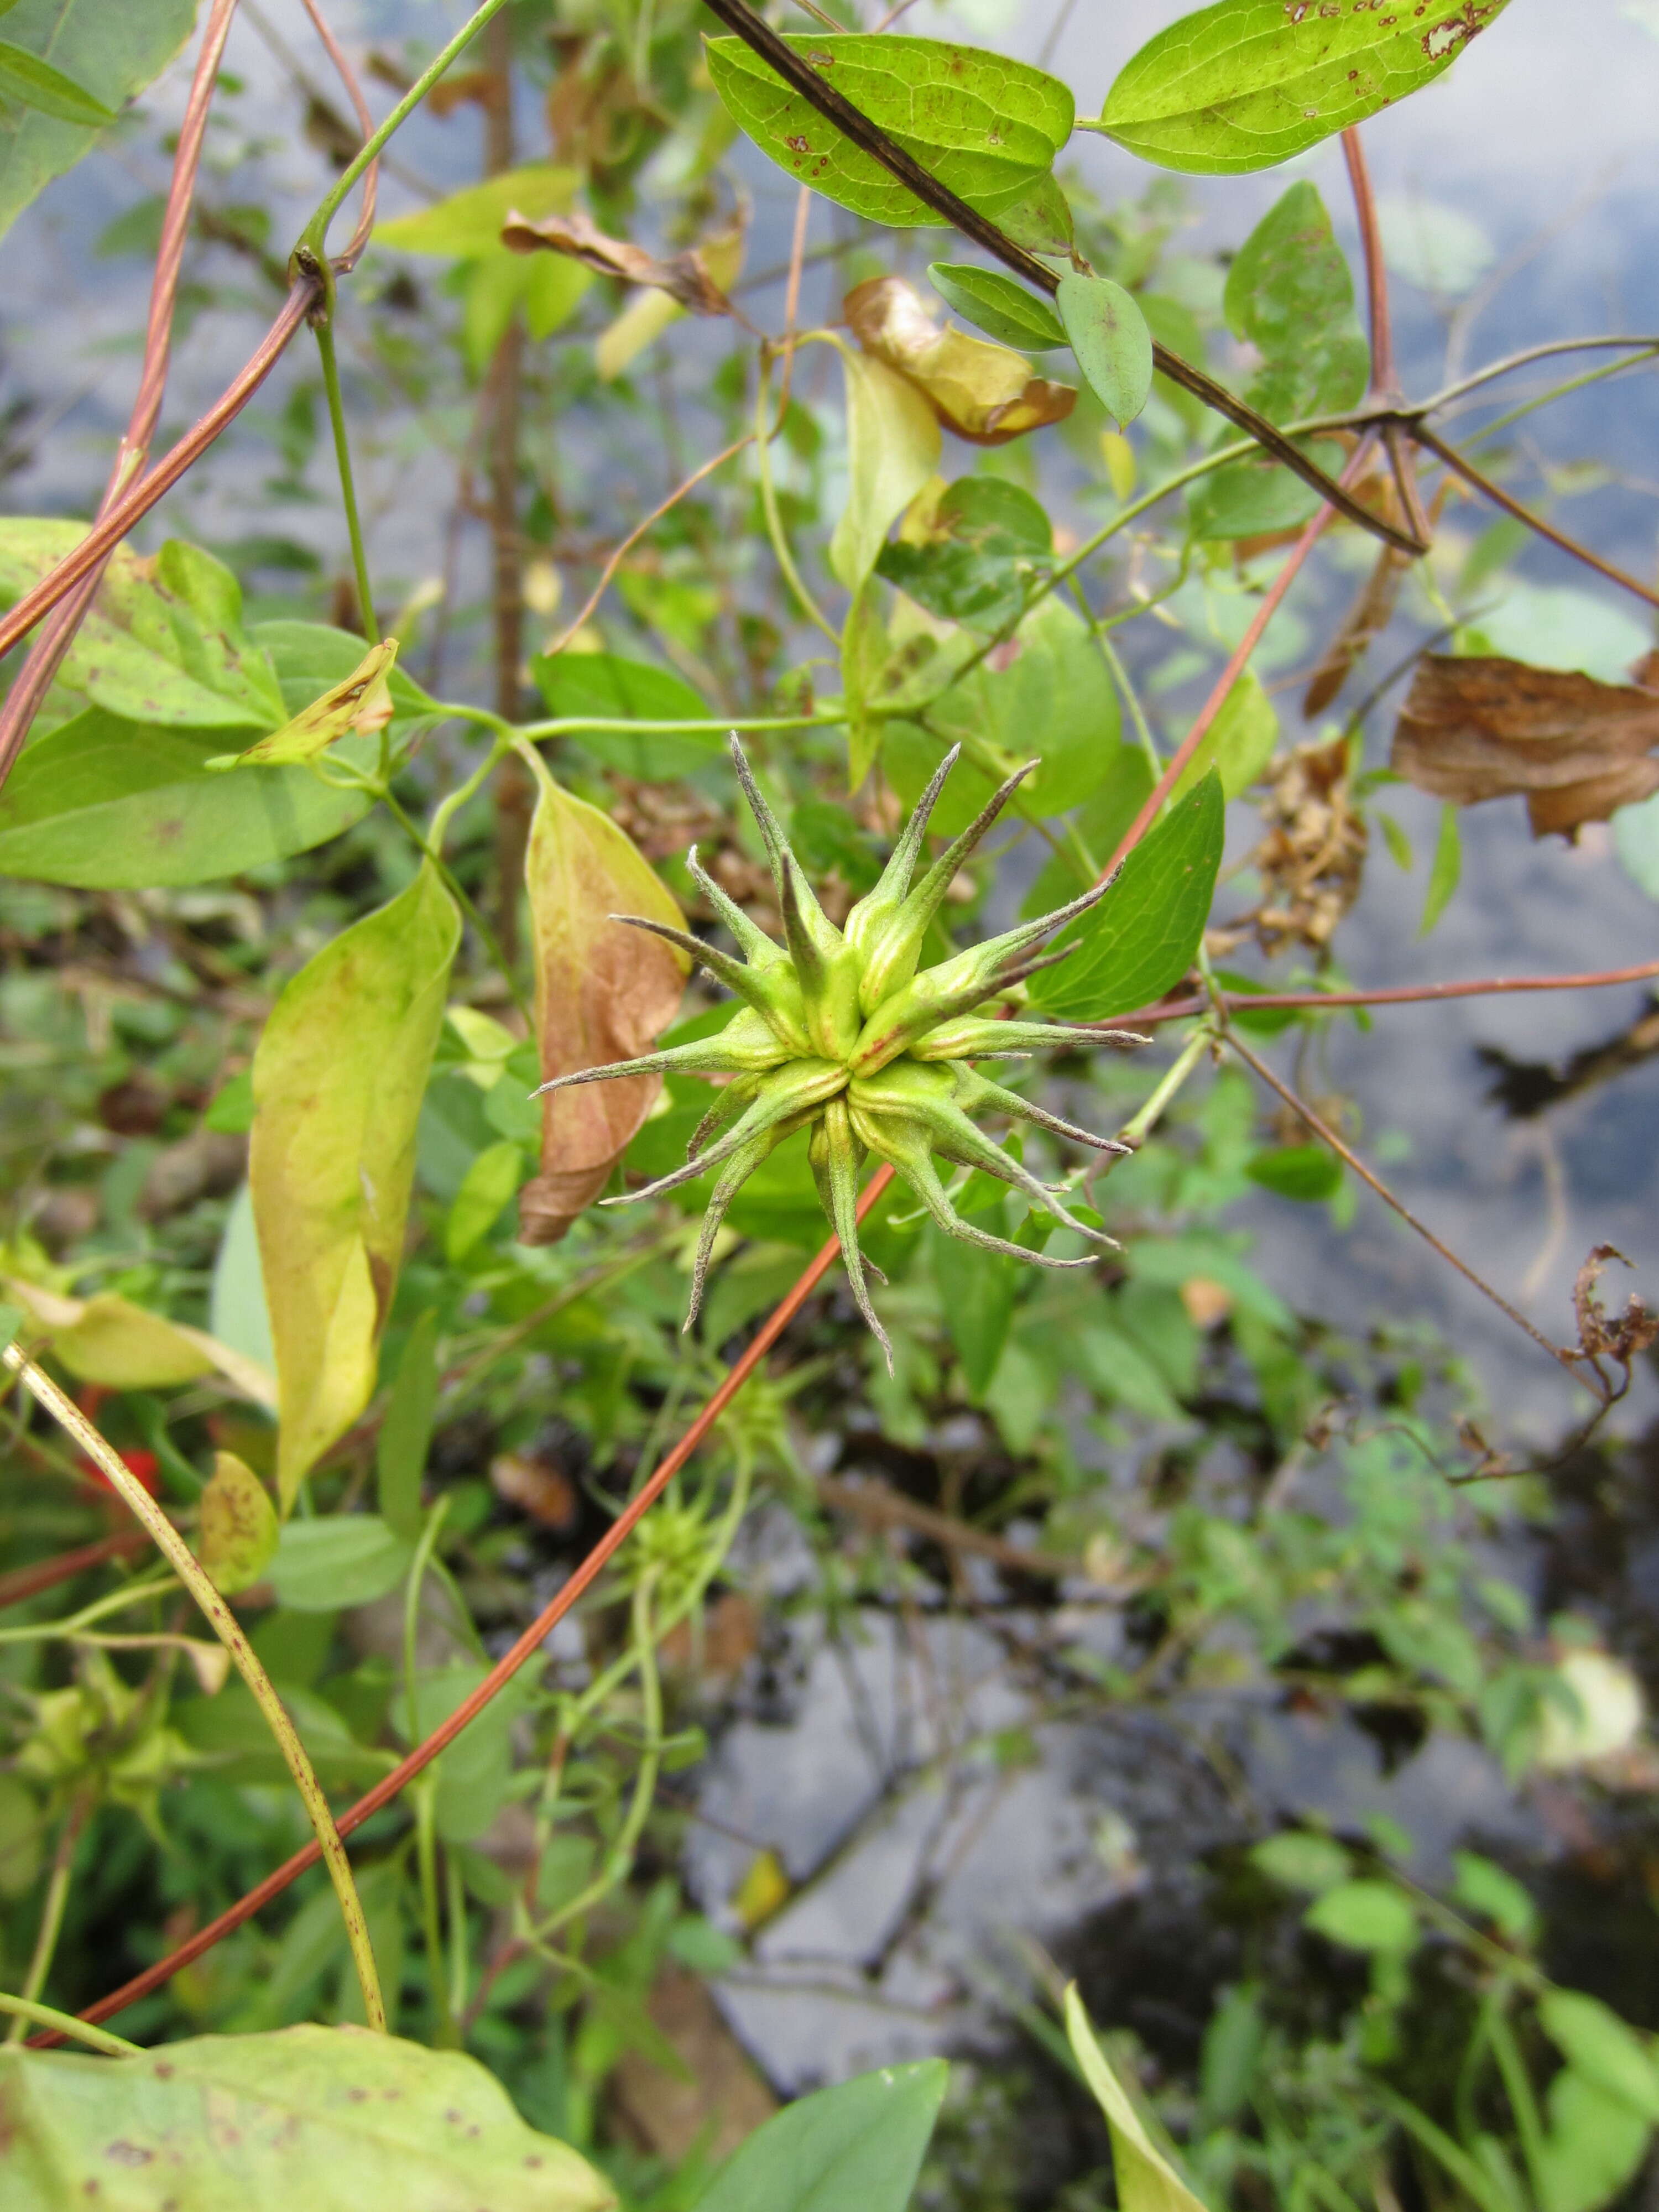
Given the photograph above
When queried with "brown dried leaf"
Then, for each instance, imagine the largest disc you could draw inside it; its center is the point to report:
(984, 393)
(1487, 728)
(685, 277)
(1599, 1338)
(1372, 612)
(603, 992)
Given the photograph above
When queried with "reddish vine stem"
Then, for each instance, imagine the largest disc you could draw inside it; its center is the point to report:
(344, 263)
(46, 1574)
(35, 678)
(1409, 995)
(1385, 382)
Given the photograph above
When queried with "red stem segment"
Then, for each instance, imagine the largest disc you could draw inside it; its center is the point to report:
(1410, 994)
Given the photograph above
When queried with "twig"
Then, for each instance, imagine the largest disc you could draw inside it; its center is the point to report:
(190, 1572)
(1411, 994)
(800, 74)
(347, 261)
(1495, 492)
(1344, 1152)
(49, 652)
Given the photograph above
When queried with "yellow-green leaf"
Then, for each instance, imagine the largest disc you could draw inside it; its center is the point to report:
(334, 2119)
(1146, 2182)
(109, 1339)
(893, 444)
(603, 992)
(238, 1530)
(338, 1083)
(1239, 744)
(361, 702)
(469, 223)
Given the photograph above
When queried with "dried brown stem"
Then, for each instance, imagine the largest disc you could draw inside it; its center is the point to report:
(35, 677)
(1344, 1152)
(1495, 492)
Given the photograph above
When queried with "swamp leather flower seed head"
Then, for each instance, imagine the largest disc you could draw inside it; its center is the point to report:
(841, 1031)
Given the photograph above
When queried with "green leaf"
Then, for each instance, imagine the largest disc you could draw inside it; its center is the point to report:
(337, 1082)
(1300, 1860)
(104, 54)
(236, 1301)
(163, 642)
(406, 1432)
(1110, 337)
(857, 2147)
(11, 1320)
(1594, 2149)
(342, 1558)
(576, 685)
(1372, 1917)
(238, 1531)
(1146, 2182)
(997, 305)
(1290, 295)
(893, 442)
(487, 1190)
(1239, 744)
(25, 78)
(107, 804)
(468, 223)
(1447, 871)
(1495, 1895)
(332, 2119)
(1144, 935)
(1250, 82)
(1598, 2044)
(987, 544)
(1257, 497)
(1306, 1172)
(987, 127)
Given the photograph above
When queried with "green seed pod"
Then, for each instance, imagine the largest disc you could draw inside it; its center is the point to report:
(839, 1034)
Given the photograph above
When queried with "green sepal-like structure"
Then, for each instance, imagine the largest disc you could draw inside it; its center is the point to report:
(843, 1032)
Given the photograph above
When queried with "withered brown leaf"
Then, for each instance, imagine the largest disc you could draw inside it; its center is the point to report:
(603, 992)
(986, 393)
(685, 277)
(1371, 613)
(1489, 728)
(1600, 1338)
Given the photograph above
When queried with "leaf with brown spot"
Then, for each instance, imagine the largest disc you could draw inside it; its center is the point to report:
(238, 1529)
(986, 393)
(1489, 728)
(603, 992)
(685, 277)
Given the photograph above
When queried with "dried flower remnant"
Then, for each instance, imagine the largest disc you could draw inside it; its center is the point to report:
(842, 1032)
(1312, 858)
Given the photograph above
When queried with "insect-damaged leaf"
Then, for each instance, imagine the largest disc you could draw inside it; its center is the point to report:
(332, 2119)
(603, 992)
(164, 641)
(987, 127)
(338, 1083)
(1489, 728)
(238, 1530)
(360, 703)
(1113, 345)
(983, 392)
(1250, 82)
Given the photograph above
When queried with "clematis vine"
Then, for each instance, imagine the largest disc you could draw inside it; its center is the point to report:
(843, 1032)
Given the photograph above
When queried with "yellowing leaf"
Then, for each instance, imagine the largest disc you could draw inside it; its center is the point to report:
(109, 1339)
(1146, 2182)
(892, 449)
(763, 1890)
(337, 1082)
(468, 224)
(238, 1530)
(603, 992)
(363, 701)
(984, 393)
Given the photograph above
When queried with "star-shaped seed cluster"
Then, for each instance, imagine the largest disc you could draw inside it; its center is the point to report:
(841, 1031)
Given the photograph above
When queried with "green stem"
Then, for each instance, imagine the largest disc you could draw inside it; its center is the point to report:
(51, 1910)
(448, 808)
(39, 2015)
(1131, 698)
(426, 1848)
(315, 234)
(225, 1626)
(775, 530)
(1518, 2088)
(348, 483)
(74, 1623)
(827, 717)
(1137, 1130)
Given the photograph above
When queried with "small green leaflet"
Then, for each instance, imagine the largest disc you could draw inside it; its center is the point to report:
(1250, 82)
(1110, 337)
(993, 303)
(1447, 871)
(1142, 937)
(32, 82)
(987, 127)
(1305, 1172)
(857, 2147)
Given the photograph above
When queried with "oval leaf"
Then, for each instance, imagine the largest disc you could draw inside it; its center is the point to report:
(338, 1083)
(987, 127)
(1110, 337)
(338, 1559)
(1144, 937)
(239, 1529)
(603, 992)
(332, 2119)
(997, 305)
(857, 2147)
(1250, 82)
